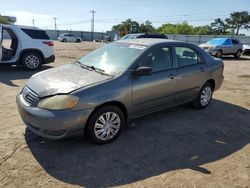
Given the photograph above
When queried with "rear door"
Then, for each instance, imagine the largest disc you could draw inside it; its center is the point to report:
(1, 41)
(191, 71)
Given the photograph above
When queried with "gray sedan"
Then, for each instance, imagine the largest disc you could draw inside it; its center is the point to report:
(223, 46)
(116, 83)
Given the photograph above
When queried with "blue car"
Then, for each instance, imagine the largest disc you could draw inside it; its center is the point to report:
(223, 46)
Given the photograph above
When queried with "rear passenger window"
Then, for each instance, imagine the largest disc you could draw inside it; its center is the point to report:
(36, 34)
(235, 41)
(160, 59)
(186, 57)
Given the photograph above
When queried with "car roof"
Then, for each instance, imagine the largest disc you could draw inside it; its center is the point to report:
(147, 41)
(21, 26)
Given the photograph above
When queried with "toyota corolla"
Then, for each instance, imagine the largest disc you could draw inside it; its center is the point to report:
(116, 83)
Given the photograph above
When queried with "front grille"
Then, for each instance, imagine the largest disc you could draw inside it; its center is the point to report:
(29, 95)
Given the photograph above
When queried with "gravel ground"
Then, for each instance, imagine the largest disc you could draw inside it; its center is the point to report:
(178, 147)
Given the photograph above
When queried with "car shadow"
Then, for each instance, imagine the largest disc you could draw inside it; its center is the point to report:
(177, 138)
(231, 58)
(10, 73)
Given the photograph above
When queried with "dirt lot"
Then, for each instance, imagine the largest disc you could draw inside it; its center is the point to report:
(179, 147)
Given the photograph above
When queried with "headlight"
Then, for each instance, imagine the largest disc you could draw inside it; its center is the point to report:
(59, 102)
(212, 48)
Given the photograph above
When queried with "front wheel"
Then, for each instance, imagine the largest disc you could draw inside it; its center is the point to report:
(237, 54)
(105, 125)
(204, 97)
(219, 54)
(31, 61)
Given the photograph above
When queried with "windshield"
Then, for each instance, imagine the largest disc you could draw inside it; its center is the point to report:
(219, 41)
(113, 58)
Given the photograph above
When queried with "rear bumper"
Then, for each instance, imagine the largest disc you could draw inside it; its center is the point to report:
(49, 59)
(52, 124)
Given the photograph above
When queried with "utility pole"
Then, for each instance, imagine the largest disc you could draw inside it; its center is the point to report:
(55, 23)
(33, 22)
(92, 24)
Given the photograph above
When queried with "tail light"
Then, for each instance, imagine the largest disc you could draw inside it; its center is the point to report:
(49, 43)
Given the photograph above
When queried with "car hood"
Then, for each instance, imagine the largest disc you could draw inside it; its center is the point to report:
(63, 79)
(207, 45)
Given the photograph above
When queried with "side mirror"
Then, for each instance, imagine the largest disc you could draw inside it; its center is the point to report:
(143, 71)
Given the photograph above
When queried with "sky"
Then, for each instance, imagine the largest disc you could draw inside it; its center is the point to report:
(75, 14)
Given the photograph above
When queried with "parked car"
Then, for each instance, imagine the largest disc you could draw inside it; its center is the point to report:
(116, 83)
(28, 47)
(143, 35)
(246, 49)
(223, 46)
(66, 37)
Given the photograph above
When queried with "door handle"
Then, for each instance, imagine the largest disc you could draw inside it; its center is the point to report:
(171, 76)
(202, 69)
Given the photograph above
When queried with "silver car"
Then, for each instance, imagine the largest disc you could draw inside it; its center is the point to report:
(67, 37)
(223, 46)
(116, 83)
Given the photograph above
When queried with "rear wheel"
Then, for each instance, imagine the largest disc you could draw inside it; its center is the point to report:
(31, 61)
(219, 54)
(204, 97)
(237, 54)
(105, 125)
(64, 40)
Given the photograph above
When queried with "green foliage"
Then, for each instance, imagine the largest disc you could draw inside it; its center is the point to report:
(219, 27)
(147, 27)
(4, 20)
(238, 20)
(127, 26)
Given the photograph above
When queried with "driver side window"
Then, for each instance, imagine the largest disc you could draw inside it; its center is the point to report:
(159, 59)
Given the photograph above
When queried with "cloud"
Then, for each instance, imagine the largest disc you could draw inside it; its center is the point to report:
(25, 18)
(144, 9)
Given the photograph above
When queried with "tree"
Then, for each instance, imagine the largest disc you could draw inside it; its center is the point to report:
(238, 20)
(183, 28)
(147, 27)
(219, 27)
(4, 20)
(127, 26)
(202, 30)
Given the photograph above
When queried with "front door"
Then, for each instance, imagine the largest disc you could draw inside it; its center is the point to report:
(1, 42)
(155, 91)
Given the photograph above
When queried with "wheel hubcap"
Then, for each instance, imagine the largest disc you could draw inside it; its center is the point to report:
(205, 96)
(32, 62)
(107, 126)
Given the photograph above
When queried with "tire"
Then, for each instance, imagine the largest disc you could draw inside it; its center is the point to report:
(237, 54)
(204, 97)
(98, 127)
(78, 40)
(64, 40)
(31, 61)
(219, 54)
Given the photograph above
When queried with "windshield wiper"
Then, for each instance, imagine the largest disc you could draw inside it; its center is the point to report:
(101, 71)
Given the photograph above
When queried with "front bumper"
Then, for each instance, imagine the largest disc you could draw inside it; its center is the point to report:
(246, 51)
(212, 52)
(52, 124)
